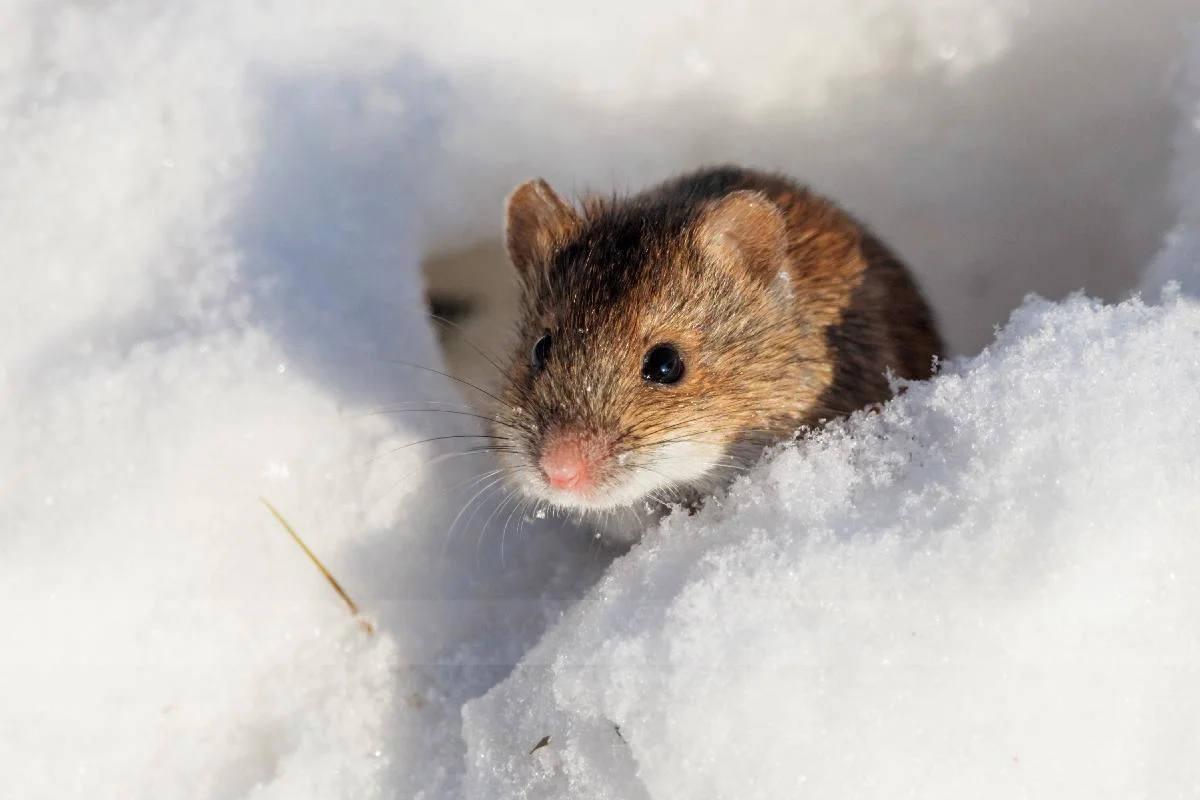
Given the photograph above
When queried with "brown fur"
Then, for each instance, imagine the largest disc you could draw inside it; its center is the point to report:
(696, 262)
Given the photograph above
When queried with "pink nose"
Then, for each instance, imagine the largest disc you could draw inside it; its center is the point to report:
(566, 463)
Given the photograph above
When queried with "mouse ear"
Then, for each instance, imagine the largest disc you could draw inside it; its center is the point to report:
(539, 222)
(745, 228)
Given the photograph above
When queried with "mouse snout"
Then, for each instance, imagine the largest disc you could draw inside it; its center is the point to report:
(572, 461)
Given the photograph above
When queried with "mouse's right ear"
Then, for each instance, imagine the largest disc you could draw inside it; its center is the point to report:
(539, 222)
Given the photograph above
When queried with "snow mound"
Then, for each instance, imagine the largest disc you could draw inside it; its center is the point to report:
(986, 590)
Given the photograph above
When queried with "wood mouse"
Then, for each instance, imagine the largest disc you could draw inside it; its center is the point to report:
(666, 338)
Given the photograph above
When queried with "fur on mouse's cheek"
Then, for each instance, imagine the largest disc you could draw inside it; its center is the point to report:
(681, 463)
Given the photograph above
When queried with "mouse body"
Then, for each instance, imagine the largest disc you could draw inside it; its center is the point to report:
(665, 339)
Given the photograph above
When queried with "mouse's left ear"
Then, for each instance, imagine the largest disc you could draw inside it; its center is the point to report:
(744, 228)
(539, 222)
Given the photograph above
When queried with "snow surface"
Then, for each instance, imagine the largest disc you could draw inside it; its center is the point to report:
(988, 590)
(213, 218)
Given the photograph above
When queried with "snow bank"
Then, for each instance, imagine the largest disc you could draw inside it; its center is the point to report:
(213, 216)
(983, 591)
(162, 639)
(205, 293)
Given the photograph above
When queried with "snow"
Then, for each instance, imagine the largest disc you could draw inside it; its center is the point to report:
(985, 590)
(1178, 263)
(214, 215)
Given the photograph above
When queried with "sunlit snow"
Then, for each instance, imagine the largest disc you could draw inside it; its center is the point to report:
(213, 220)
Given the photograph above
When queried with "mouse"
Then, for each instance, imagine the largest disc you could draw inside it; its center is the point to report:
(667, 338)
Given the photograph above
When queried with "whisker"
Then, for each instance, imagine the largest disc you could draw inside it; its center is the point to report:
(483, 417)
(454, 524)
(522, 503)
(473, 480)
(487, 522)
(444, 375)
(414, 404)
(671, 485)
(438, 439)
(471, 451)
(470, 344)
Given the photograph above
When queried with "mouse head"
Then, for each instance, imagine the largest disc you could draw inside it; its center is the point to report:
(658, 348)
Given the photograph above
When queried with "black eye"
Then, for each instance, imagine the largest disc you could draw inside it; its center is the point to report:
(662, 364)
(541, 351)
